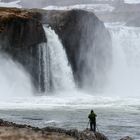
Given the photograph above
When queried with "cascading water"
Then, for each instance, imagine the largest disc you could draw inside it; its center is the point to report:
(57, 71)
(125, 73)
(14, 80)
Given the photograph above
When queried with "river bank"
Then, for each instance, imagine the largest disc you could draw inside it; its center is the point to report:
(10, 131)
(13, 131)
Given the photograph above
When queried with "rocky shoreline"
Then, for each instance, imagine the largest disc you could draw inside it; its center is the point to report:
(13, 131)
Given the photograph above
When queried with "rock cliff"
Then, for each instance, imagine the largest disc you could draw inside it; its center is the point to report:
(86, 40)
(20, 33)
(84, 36)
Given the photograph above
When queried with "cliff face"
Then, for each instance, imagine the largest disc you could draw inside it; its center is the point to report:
(20, 33)
(20, 28)
(86, 40)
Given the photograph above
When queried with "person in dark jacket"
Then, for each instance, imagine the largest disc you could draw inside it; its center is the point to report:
(92, 119)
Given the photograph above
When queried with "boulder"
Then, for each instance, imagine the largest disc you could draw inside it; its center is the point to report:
(79, 135)
(89, 135)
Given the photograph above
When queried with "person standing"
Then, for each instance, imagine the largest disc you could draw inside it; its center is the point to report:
(92, 119)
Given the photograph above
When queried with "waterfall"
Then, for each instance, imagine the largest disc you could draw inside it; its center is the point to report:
(125, 73)
(14, 79)
(56, 68)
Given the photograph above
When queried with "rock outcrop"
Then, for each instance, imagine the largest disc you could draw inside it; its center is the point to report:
(86, 40)
(74, 134)
(20, 28)
(20, 33)
(84, 36)
(126, 138)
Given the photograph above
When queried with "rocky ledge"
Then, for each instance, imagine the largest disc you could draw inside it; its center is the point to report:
(10, 131)
(20, 28)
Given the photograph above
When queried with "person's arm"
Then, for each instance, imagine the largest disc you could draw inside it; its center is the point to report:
(89, 116)
(95, 115)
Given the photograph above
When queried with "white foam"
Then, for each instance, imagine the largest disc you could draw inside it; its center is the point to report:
(74, 100)
(11, 4)
(125, 75)
(60, 69)
(14, 81)
(95, 7)
(132, 1)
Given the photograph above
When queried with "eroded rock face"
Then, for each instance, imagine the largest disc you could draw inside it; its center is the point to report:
(20, 33)
(73, 133)
(84, 36)
(20, 28)
(86, 40)
(126, 138)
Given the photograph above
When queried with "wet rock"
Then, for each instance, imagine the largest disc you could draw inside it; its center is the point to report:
(73, 133)
(89, 135)
(86, 40)
(20, 34)
(20, 28)
(126, 138)
(79, 135)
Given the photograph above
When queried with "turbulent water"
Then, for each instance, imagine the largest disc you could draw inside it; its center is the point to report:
(117, 116)
(125, 72)
(60, 70)
(57, 71)
(69, 107)
(14, 80)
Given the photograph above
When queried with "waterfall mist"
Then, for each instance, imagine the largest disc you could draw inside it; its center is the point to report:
(57, 70)
(14, 81)
(125, 73)
(95, 57)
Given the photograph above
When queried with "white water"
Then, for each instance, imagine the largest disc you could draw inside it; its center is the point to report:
(45, 57)
(125, 73)
(57, 69)
(70, 109)
(14, 81)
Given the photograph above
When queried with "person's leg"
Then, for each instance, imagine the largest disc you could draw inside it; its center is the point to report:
(91, 128)
(94, 126)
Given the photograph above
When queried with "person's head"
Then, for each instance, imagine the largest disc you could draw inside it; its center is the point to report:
(92, 111)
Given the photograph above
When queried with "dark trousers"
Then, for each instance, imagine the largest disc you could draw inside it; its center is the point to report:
(93, 126)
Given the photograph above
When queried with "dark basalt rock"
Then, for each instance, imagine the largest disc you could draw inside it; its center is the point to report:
(79, 135)
(126, 138)
(20, 33)
(86, 40)
(20, 28)
(84, 36)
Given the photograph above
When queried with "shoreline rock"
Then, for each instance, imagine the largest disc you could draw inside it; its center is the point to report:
(51, 133)
(72, 134)
(82, 34)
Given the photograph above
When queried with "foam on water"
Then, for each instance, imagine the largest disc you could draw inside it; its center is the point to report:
(75, 100)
